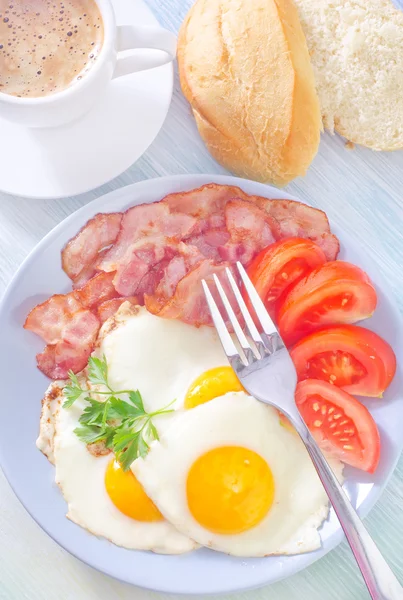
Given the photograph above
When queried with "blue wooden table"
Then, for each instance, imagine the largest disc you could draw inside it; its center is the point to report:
(360, 190)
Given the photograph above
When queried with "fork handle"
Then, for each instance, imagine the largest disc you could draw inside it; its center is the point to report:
(379, 578)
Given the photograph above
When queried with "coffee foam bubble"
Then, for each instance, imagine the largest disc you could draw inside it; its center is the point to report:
(47, 45)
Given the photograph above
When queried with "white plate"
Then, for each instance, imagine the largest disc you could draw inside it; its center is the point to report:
(80, 156)
(32, 477)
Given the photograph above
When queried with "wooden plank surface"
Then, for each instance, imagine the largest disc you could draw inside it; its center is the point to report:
(361, 191)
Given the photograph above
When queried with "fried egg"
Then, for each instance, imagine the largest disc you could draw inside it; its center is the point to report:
(229, 475)
(166, 360)
(51, 403)
(104, 499)
(225, 473)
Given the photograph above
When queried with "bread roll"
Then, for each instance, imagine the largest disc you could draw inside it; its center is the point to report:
(245, 69)
(356, 50)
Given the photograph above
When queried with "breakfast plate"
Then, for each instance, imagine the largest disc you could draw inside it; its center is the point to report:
(78, 157)
(23, 385)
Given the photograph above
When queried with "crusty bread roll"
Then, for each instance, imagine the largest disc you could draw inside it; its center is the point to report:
(356, 49)
(245, 69)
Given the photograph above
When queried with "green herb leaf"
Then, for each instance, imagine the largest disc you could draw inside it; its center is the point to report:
(125, 446)
(142, 447)
(119, 409)
(110, 434)
(94, 433)
(137, 400)
(152, 431)
(98, 371)
(72, 391)
(123, 425)
(93, 413)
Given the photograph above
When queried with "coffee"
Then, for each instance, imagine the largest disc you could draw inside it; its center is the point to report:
(47, 45)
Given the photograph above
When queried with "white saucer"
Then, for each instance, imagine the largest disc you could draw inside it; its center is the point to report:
(76, 158)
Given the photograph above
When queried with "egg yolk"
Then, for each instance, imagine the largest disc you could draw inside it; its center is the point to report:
(212, 384)
(128, 496)
(229, 489)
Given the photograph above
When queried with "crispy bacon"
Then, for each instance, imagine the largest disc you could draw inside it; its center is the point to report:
(88, 272)
(209, 242)
(81, 329)
(143, 256)
(293, 219)
(85, 276)
(188, 303)
(205, 202)
(142, 221)
(108, 308)
(329, 244)
(49, 318)
(157, 254)
(150, 281)
(74, 346)
(67, 323)
(81, 253)
(250, 228)
(97, 290)
(174, 271)
(57, 360)
(296, 219)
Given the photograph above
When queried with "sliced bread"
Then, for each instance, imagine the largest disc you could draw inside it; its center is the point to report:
(356, 49)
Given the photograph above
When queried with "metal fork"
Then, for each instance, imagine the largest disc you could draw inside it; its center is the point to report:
(265, 369)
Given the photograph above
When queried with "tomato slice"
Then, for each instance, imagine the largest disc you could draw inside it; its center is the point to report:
(280, 265)
(351, 357)
(340, 424)
(337, 292)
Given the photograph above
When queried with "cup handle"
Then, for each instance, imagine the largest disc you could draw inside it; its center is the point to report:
(130, 37)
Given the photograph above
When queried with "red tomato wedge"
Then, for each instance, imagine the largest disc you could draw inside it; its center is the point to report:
(335, 293)
(340, 424)
(347, 356)
(280, 265)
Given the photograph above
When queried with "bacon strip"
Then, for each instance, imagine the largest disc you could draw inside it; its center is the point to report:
(251, 229)
(98, 289)
(205, 202)
(81, 253)
(173, 272)
(57, 360)
(69, 324)
(296, 219)
(108, 308)
(210, 242)
(188, 302)
(157, 254)
(49, 318)
(74, 346)
(143, 256)
(142, 221)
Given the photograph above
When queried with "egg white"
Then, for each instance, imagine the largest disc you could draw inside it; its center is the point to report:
(51, 403)
(162, 358)
(300, 503)
(159, 357)
(81, 478)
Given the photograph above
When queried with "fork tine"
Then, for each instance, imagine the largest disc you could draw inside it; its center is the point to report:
(260, 309)
(242, 339)
(226, 340)
(255, 335)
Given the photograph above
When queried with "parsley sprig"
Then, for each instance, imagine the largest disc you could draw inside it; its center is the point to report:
(124, 426)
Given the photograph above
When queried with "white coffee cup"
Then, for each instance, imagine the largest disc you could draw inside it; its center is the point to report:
(74, 101)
